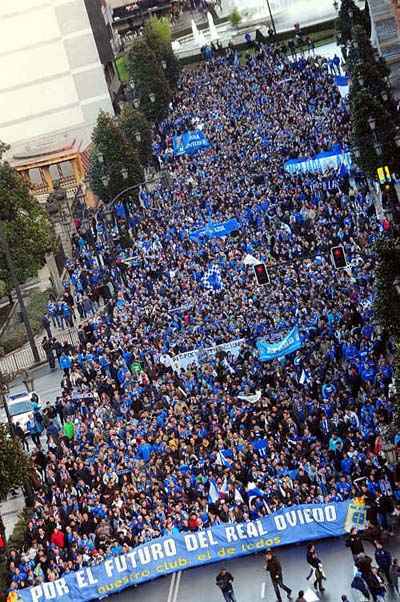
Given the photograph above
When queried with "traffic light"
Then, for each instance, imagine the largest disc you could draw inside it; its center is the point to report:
(339, 257)
(383, 174)
(261, 274)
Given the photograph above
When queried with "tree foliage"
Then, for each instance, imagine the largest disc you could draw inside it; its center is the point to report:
(387, 300)
(117, 154)
(157, 33)
(147, 74)
(371, 102)
(235, 17)
(387, 304)
(369, 157)
(158, 27)
(349, 15)
(15, 465)
(132, 121)
(363, 63)
(29, 232)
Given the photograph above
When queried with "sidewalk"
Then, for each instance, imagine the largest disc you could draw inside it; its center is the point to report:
(23, 357)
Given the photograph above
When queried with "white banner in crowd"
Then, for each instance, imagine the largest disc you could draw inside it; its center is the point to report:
(251, 260)
(183, 360)
(319, 163)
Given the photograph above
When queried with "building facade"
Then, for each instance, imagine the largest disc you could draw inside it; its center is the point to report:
(385, 35)
(54, 80)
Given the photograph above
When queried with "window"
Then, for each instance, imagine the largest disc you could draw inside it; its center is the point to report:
(36, 178)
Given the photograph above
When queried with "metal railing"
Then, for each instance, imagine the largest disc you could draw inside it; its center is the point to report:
(23, 358)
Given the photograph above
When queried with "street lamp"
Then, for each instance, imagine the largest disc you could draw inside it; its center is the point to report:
(28, 381)
(13, 276)
(109, 216)
(152, 97)
(271, 17)
(138, 136)
(4, 390)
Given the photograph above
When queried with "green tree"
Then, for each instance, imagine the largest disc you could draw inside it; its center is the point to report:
(372, 148)
(387, 270)
(151, 84)
(15, 465)
(235, 17)
(349, 15)
(132, 124)
(367, 68)
(157, 33)
(387, 304)
(159, 27)
(114, 164)
(29, 232)
(371, 102)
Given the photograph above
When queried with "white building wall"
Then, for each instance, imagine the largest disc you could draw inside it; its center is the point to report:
(51, 78)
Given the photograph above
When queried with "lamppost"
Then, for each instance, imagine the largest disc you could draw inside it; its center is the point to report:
(28, 380)
(108, 211)
(4, 390)
(271, 17)
(106, 179)
(59, 214)
(151, 96)
(13, 276)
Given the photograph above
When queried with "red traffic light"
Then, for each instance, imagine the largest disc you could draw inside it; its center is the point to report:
(261, 273)
(339, 257)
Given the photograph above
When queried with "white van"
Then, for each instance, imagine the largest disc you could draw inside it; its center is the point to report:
(20, 407)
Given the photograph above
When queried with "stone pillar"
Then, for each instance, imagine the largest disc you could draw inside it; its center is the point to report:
(61, 228)
(46, 173)
(54, 275)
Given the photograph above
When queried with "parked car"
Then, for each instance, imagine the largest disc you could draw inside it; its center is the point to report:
(20, 406)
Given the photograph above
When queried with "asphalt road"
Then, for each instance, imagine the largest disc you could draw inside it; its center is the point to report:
(252, 583)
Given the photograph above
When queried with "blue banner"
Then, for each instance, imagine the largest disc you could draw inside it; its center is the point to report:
(175, 553)
(341, 80)
(325, 160)
(211, 230)
(271, 351)
(189, 143)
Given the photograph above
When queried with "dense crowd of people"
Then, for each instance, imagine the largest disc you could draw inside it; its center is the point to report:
(139, 445)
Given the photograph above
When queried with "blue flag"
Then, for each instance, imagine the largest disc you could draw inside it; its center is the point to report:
(212, 278)
(190, 143)
(270, 351)
(212, 230)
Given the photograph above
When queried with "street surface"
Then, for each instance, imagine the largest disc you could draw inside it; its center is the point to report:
(252, 583)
